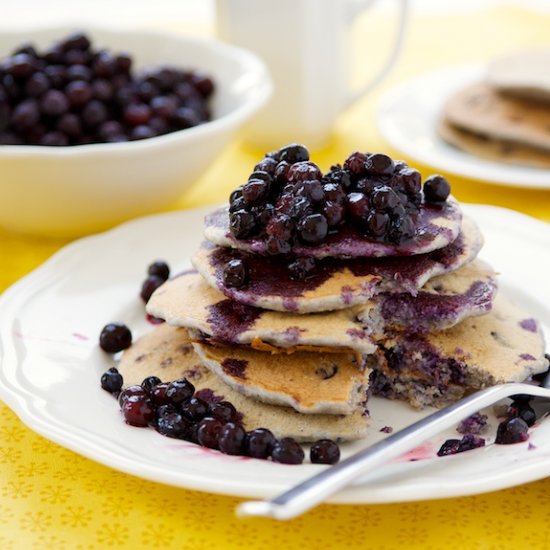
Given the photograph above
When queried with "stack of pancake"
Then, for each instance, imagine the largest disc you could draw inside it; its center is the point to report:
(421, 322)
(506, 116)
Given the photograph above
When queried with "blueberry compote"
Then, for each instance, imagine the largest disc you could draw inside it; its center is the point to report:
(175, 410)
(288, 200)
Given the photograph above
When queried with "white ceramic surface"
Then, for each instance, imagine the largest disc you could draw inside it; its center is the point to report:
(407, 117)
(77, 190)
(51, 365)
(306, 46)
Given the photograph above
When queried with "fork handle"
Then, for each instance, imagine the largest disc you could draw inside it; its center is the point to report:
(317, 488)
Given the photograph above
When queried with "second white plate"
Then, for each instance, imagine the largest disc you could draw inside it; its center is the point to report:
(407, 118)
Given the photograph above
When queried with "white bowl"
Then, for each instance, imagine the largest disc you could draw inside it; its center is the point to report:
(70, 191)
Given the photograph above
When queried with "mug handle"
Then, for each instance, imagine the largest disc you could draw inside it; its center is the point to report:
(356, 7)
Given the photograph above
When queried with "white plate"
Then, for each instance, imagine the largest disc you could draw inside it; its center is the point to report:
(51, 365)
(407, 117)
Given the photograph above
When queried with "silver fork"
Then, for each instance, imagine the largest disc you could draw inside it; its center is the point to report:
(316, 489)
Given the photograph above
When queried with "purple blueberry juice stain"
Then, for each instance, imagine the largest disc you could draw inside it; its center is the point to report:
(235, 367)
(357, 333)
(527, 357)
(386, 430)
(208, 395)
(79, 336)
(292, 334)
(228, 319)
(528, 324)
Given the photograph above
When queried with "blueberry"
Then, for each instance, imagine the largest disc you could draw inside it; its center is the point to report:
(302, 268)
(313, 229)
(259, 443)
(149, 286)
(172, 424)
(138, 411)
(208, 432)
(224, 411)
(159, 269)
(356, 163)
(334, 213)
(281, 226)
(115, 337)
(235, 273)
(358, 207)
(242, 224)
(195, 409)
(513, 430)
(377, 223)
(303, 171)
(179, 391)
(231, 439)
(150, 383)
(112, 381)
(293, 153)
(436, 189)
(324, 451)
(255, 191)
(449, 447)
(287, 451)
(378, 163)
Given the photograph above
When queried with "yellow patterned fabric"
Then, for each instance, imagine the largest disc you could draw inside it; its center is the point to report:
(55, 499)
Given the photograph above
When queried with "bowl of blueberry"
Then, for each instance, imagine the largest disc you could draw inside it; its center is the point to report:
(101, 126)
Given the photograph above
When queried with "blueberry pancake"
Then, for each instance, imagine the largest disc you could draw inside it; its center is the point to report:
(329, 284)
(167, 352)
(505, 345)
(188, 301)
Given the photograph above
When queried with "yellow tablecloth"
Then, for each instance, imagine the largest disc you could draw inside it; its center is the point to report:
(53, 498)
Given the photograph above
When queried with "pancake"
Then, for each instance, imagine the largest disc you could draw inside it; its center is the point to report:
(167, 352)
(499, 150)
(337, 284)
(442, 303)
(480, 109)
(505, 345)
(311, 383)
(188, 301)
(437, 227)
(522, 74)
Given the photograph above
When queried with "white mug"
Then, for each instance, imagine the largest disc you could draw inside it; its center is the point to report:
(305, 46)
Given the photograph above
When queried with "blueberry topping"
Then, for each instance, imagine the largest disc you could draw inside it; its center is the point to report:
(293, 153)
(302, 268)
(112, 381)
(288, 200)
(172, 424)
(313, 229)
(324, 451)
(235, 274)
(115, 337)
(436, 189)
